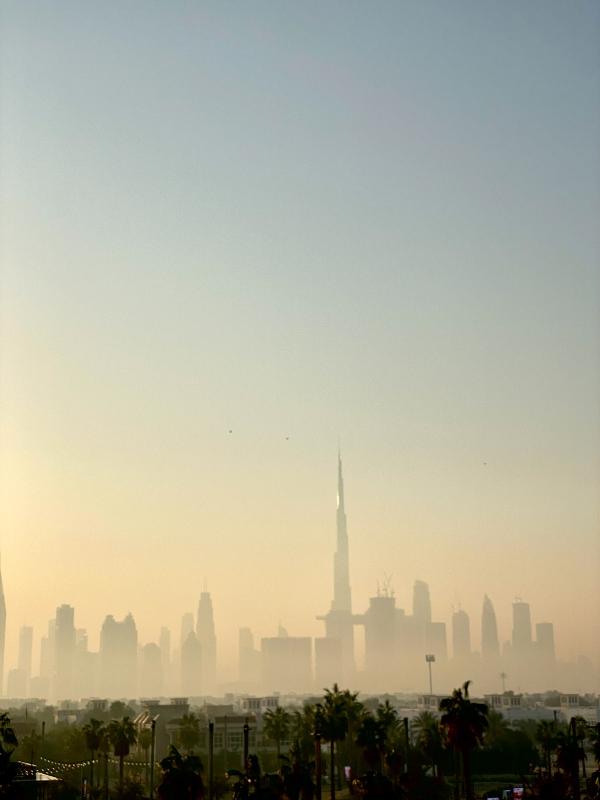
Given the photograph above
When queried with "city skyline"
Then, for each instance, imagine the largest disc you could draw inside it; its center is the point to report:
(394, 647)
(234, 235)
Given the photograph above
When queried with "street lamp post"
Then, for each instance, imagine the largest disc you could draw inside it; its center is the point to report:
(211, 759)
(152, 755)
(430, 659)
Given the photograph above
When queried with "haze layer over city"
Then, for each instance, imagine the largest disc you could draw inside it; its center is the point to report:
(235, 239)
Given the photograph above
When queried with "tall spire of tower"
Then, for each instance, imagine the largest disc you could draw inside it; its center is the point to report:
(342, 598)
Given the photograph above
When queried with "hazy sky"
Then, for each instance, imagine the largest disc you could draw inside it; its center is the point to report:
(377, 221)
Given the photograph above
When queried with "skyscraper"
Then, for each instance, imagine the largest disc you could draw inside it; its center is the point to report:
(461, 634)
(544, 640)
(191, 666)
(205, 633)
(521, 631)
(490, 647)
(249, 658)
(25, 652)
(187, 626)
(151, 671)
(164, 642)
(342, 596)
(2, 633)
(64, 652)
(339, 621)
(421, 603)
(118, 657)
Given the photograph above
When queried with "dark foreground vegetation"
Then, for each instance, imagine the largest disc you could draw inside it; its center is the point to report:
(329, 749)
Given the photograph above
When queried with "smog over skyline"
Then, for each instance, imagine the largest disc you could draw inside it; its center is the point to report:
(235, 238)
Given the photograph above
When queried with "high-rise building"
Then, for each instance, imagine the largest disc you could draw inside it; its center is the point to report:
(544, 640)
(461, 634)
(118, 657)
(151, 671)
(85, 665)
(249, 658)
(286, 664)
(339, 621)
(521, 631)
(490, 646)
(381, 640)
(47, 654)
(16, 683)
(164, 642)
(328, 662)
(205, 633)
(421, 603)
(2, 633)
(436, 643)
(25, 650)
(187, 627)
(64, 653)
(191, 666)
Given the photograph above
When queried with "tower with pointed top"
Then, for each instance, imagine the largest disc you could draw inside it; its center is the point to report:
(339, 620)
(342, 596)
(205, 633)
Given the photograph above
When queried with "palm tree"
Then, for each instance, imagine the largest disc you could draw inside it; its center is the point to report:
(568, 755)
(388, 717)
(302, 731)
(122, 735)
(189, 732)
(354, 711)
(182, 777)
(93, 733)
(545, 735)
(331, 721)
(428, 738)
(371, 738)
(465, 723)
(276, 726)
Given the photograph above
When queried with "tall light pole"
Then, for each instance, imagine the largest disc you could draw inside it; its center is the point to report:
(430, 659)
(152, 755)
(211, 760)
(503, 677)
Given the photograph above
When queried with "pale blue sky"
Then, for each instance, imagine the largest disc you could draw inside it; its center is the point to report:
(372, 220)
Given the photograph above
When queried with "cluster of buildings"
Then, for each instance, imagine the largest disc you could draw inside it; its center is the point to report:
(402, 650)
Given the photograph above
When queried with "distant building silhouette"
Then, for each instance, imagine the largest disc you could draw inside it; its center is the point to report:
(490, 646)
(191, 666)
(249, 659)
(64, 652)
(164, 642)
(286, 663)
(25, 652)
(47, 656)
(521, 631)
(339, 621)
(187, 627)
(381, 640)
(151, 671)
(421, 603)
(544, 639)
(328, 662)
(436, 641)
(205, 633)
(118, 657)
(461, 635)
